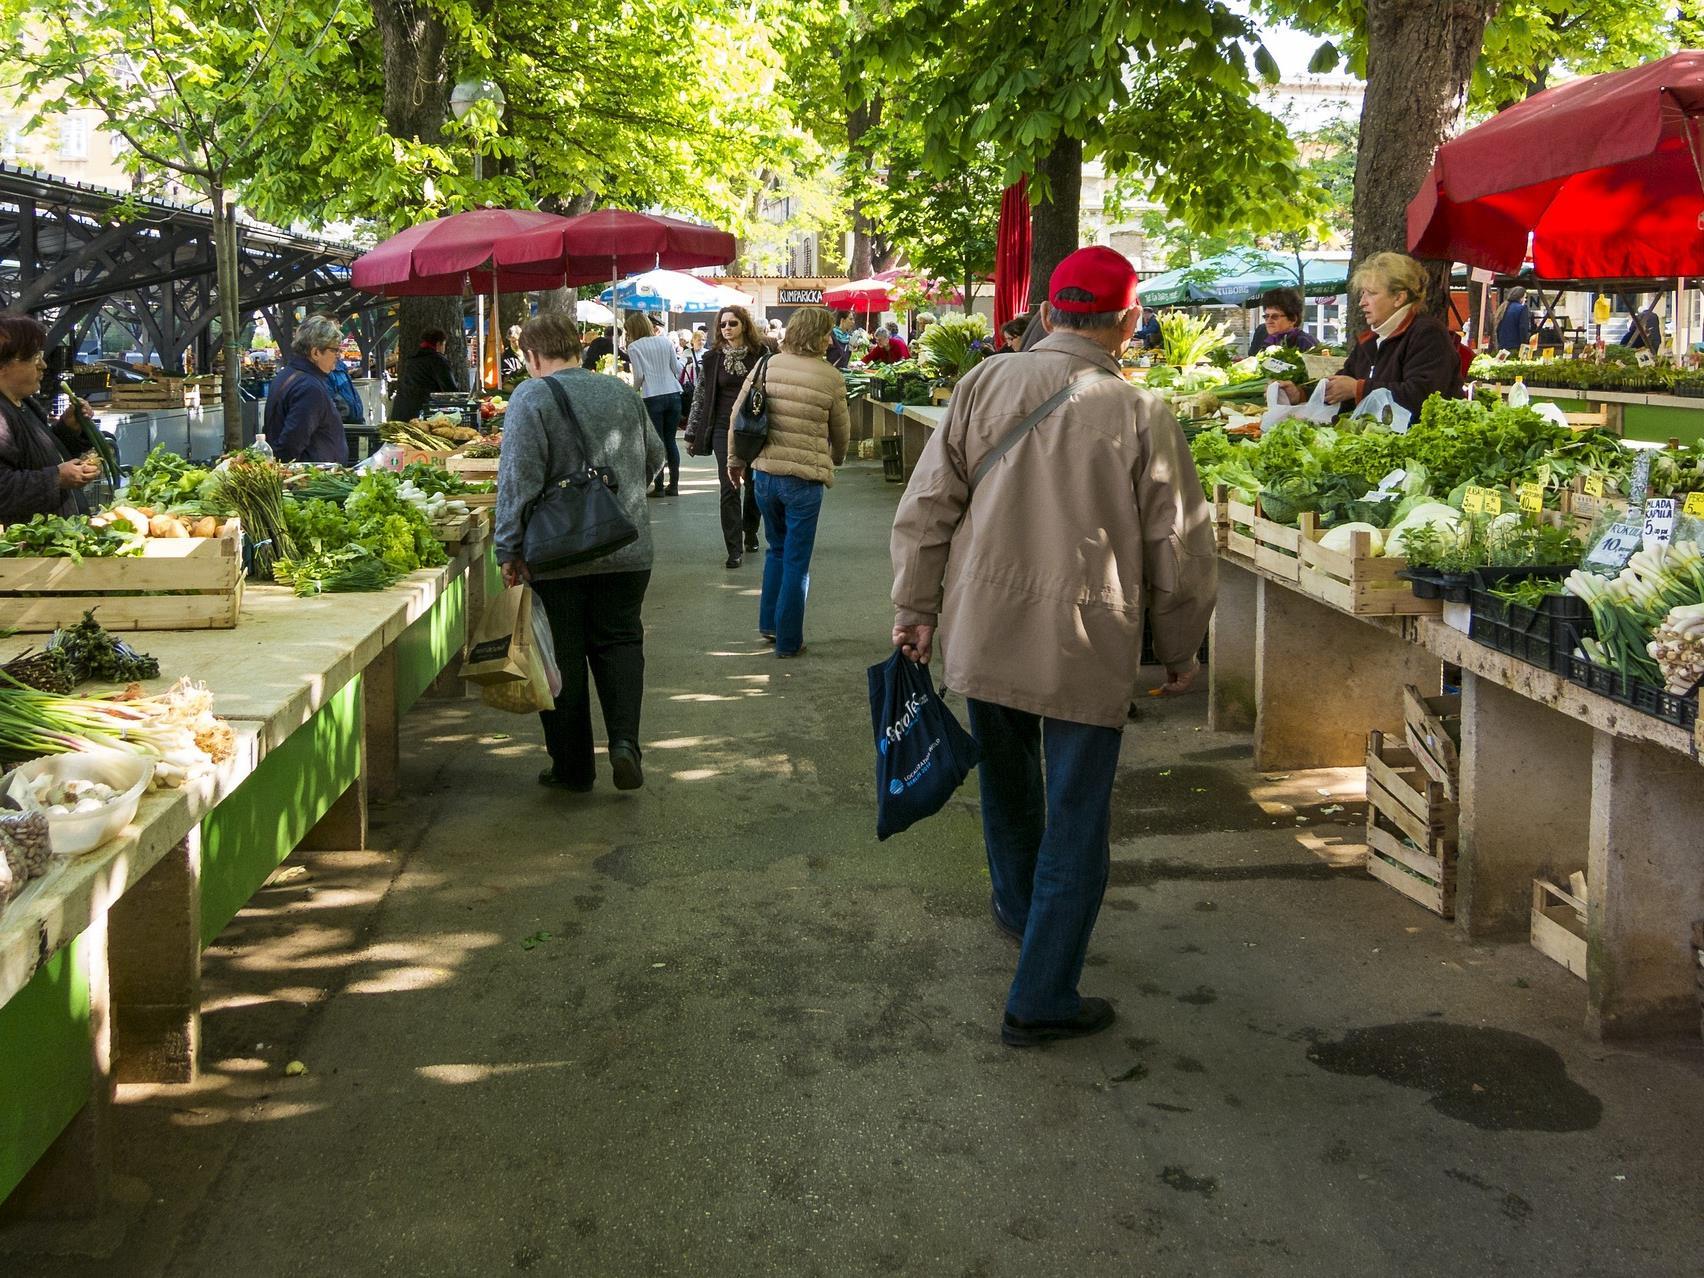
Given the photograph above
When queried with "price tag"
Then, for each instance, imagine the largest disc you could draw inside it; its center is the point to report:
(1568, 349)
(1382, 494)
(1482, 501)
(1393, 479)
(1659, 519)
(1694, 505)
(1645, 359)
(1594, 485)
(1618, 545)
(1532, 497)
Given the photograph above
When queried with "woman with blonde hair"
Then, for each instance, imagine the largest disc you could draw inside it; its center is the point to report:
(808, 431)
(737, 348)
(1404, 350)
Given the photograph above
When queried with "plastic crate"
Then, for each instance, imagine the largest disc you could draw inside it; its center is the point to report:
(1647, 698)
(893, 459)
(1545, 636)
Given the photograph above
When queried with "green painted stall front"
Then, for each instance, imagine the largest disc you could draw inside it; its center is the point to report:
(44, 1060)
(1659, 423)
(260, 823)
(430, 644)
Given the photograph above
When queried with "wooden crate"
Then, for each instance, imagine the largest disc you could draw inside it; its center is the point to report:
(1581, 509)
(1269, 546)
(177, 583)
(1432, 729)
(472, 468)
(1559, 926)
(478, 500)
(470, 527)
(1411, 827)
(142, 396)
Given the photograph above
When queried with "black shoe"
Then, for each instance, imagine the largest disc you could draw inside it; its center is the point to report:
(624, 761)
(751, 544)
(656, 492)
(734, 561)
(673, 490)
(1094, 1016)
(797, 652)
(1007, 928)
(549, 778)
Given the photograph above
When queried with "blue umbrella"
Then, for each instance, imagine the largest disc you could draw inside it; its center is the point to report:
(673, 291)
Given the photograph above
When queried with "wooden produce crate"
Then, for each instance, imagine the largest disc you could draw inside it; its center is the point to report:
(165, 392)
(177, 583)
(1559, 926)
(1432, 729)
(1411, 827)
(1581, 509)
(470, 527)
(479, 501)
(436, 457)
(472, 468)
(1356, 581)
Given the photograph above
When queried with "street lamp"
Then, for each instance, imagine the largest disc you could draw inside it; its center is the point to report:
(463, 98)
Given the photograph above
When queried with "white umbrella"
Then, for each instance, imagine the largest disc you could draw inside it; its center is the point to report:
(590, 312)
(672, 291)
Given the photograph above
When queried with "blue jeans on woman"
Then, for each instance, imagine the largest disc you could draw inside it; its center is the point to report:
(664, 411)
(790, 507)
(1048, 844)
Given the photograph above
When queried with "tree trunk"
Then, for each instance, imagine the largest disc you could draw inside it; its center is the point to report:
(226, 284)
(1054, 226)
(1419, 66)
(415, 42)
(859, 122)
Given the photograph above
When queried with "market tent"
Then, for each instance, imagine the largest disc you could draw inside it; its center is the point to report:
(858, 295)
(1236, 277)
(1602, 174)
(590, 312)
(449, 256)
(611, 243)
(672, 291)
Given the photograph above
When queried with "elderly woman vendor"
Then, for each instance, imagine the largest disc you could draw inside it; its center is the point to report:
(1405, 351)
(40, 473)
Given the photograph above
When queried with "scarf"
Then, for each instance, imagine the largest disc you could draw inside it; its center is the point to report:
(1388, 328)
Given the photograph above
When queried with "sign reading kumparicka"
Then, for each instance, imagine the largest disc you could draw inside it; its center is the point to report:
(799, 297)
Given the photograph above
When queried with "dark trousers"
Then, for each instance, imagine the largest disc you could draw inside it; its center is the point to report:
(665, 417)
(1047, 839)
(595, 623)
(740, 514)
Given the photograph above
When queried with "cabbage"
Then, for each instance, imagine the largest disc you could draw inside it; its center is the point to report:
(1431, 514)
(1341, 537)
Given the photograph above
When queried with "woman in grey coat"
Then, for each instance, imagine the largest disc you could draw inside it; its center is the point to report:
(593, 607)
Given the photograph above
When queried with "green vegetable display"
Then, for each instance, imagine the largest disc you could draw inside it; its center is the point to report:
(253, 485)
(349, 568)
(53, 537)
(376, 520)
(165, 481)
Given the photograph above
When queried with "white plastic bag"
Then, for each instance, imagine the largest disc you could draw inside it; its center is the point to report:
(1315, 410)
(1378, 404)
(1551, 413)
(544, 647)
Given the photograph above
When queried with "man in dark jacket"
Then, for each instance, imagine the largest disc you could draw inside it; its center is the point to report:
(423, 374)
(303, 421)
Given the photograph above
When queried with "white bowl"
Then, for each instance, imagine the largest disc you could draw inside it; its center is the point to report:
(70, 835)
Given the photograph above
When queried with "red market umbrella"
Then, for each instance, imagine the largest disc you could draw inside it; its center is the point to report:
(611, 243)
(449, 255)
(858, 295)
(1012, 257)
(1602, 173)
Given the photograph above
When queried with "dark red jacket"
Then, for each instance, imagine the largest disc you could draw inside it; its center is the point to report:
(1419, 359)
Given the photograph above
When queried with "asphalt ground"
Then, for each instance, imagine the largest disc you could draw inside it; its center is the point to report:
(713, 1027)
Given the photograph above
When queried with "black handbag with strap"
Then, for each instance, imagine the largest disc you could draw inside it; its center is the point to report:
(751, 418)
(576, 518)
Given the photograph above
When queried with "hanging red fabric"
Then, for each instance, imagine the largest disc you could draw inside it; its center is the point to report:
(1012, 257)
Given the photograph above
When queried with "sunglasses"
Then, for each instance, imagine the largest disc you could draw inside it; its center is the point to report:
(730, 324)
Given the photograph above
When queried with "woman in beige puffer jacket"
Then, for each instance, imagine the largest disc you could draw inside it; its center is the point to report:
(808, 431)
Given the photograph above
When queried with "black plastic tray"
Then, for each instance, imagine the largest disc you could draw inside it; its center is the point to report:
(1545, 636)
(1647, 698)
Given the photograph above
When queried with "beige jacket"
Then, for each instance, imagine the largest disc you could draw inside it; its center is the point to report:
(809, 426)
(1038, 583)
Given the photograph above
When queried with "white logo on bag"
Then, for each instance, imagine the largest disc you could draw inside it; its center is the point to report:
(913, 707)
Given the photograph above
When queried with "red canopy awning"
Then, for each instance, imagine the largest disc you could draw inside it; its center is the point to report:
(1602, 173)
(1012, 257)
(448, 256)
(611, 243)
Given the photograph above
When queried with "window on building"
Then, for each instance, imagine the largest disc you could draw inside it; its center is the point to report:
(73, 139)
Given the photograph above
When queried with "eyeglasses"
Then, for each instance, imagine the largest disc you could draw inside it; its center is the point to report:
(730, 324)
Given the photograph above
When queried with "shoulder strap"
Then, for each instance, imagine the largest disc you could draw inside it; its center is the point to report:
(562, 402)
(1016, 434)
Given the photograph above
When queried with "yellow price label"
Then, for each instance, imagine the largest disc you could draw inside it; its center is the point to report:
(1532, 497)
(1482, 501)
(1594, 485)
(1694, 505)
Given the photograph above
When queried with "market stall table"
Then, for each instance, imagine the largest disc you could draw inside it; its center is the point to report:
(100, 962)
(911, 425)
(1552, 777)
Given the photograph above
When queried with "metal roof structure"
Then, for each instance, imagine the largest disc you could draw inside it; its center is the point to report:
(69, 250)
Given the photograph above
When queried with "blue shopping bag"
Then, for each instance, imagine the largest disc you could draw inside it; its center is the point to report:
(922, 754)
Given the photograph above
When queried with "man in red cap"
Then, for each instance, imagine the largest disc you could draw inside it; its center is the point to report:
(1086, 508)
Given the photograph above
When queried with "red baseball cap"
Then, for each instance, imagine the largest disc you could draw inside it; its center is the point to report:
(1105, 274)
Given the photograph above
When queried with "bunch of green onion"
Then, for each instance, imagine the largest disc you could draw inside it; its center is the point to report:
(169, 728)
(1628, 608)
(253, 486)
(349, 568)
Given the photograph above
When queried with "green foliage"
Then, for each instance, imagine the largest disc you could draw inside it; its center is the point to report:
(1191, 339)
(954, 345)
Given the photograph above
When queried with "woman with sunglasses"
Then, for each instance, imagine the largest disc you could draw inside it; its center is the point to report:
(40, 470)
(736, 351)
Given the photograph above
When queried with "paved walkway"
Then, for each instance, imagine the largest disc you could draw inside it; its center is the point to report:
(714, 1028)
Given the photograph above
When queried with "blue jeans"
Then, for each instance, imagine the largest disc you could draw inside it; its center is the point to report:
(790, 507)
(1048, 852)
(664, 411)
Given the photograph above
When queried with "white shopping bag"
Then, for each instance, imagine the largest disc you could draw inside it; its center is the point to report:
(1315, 410)
(544, 649)
(1551, 413)
(1380, 403)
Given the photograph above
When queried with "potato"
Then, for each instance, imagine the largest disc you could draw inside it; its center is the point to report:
(166, 526)
(206, 526)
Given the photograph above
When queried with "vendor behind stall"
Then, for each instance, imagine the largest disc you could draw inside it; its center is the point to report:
(303, 420)
(1405, 351)
(1282, 310)
(423, 374)
(39, 470)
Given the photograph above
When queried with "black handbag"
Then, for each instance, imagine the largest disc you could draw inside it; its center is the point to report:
(751, 417)
(576, 518)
